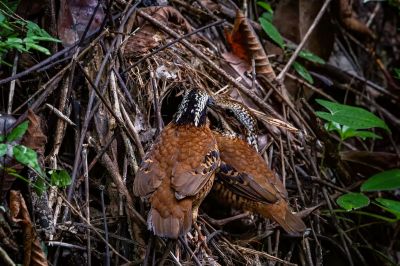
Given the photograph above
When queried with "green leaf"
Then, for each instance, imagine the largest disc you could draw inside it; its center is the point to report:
(311, 57)
(272, 32)
(16, 43)
(387, 180)
(3, 149)
(265, 6)
(40, 186)
(352, 201)
(37, 47)
(349, 132)
(60, 178)
(268, 16)
(303, 72)
(333, 126)
(353, 117)
(27, 157)
(2, 138)
(18, 131)
(392, 206)
(397, 73)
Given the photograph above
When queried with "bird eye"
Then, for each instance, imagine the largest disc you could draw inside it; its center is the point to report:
(229, 112)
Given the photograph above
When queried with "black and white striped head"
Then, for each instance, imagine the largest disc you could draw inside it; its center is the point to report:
(244, 116)
(192, 109)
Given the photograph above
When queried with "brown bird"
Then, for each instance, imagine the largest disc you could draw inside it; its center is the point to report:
(245, 181)
(178, 171)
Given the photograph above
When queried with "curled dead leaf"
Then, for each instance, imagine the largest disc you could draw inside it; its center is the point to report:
(34, 137)
(350, 21)
(246, 45)
(33, 253)
(73, 18)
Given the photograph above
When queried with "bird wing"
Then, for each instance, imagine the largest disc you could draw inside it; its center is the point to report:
(188, 181)
(245, 186)
(150, 174)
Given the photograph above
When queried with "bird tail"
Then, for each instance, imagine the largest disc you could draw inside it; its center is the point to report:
(171, 222)
(281, 213)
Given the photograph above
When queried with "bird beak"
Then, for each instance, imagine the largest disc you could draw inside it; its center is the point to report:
(212, 102)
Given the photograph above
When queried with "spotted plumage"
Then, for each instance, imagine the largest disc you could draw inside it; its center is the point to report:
(244, 180)
(178, 171)
(243, 115)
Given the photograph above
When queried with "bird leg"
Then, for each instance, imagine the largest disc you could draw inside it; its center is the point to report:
(202, 239)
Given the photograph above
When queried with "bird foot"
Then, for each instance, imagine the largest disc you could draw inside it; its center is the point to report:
(202, 240)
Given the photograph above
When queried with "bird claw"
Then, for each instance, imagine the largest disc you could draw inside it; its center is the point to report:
(202, 240)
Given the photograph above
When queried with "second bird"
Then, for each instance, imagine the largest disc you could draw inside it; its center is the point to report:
(245, 181)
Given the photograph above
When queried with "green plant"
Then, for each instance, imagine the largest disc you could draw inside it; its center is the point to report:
(28, 157)
(349, 120)
(397, 73)
(273, 33)
(19, 34)
(383, 181)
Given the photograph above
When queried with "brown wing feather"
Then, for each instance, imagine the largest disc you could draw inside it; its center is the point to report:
(245, 160)
(244, 185)
(153, 169)
(188, 155)
(195, 164)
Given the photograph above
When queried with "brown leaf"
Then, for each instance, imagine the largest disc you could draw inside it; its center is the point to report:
(33, 253)
(293, 18)
(350, 21)
(34, 137)
(246, 45)
(73, 18)
(148, 36)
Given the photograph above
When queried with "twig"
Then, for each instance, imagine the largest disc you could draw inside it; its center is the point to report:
(12, 85)
(103, 211)
(173, 42)
(281, 75)
(5, 258)
(37, 66)
(87, 202)
(263, 254)
(214, 67)
(65, 245)
(156, 101)
(60, 114)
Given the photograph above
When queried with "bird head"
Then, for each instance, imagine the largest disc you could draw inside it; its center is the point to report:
(241, 114)
(192, 109)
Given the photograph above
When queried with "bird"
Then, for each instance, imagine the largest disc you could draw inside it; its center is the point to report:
(244, 180)
(178, 171)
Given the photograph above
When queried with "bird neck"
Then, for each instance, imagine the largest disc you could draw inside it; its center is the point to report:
(193, 109)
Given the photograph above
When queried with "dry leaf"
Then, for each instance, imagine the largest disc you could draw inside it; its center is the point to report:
(34, 137)
(148, 36)
(350, 21)
(293, 18)
(73, 18)
(33, 253)
(246, 45)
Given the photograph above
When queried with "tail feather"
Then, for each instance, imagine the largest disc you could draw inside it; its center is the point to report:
(171, 224)
(281, 213)
(291, 223)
